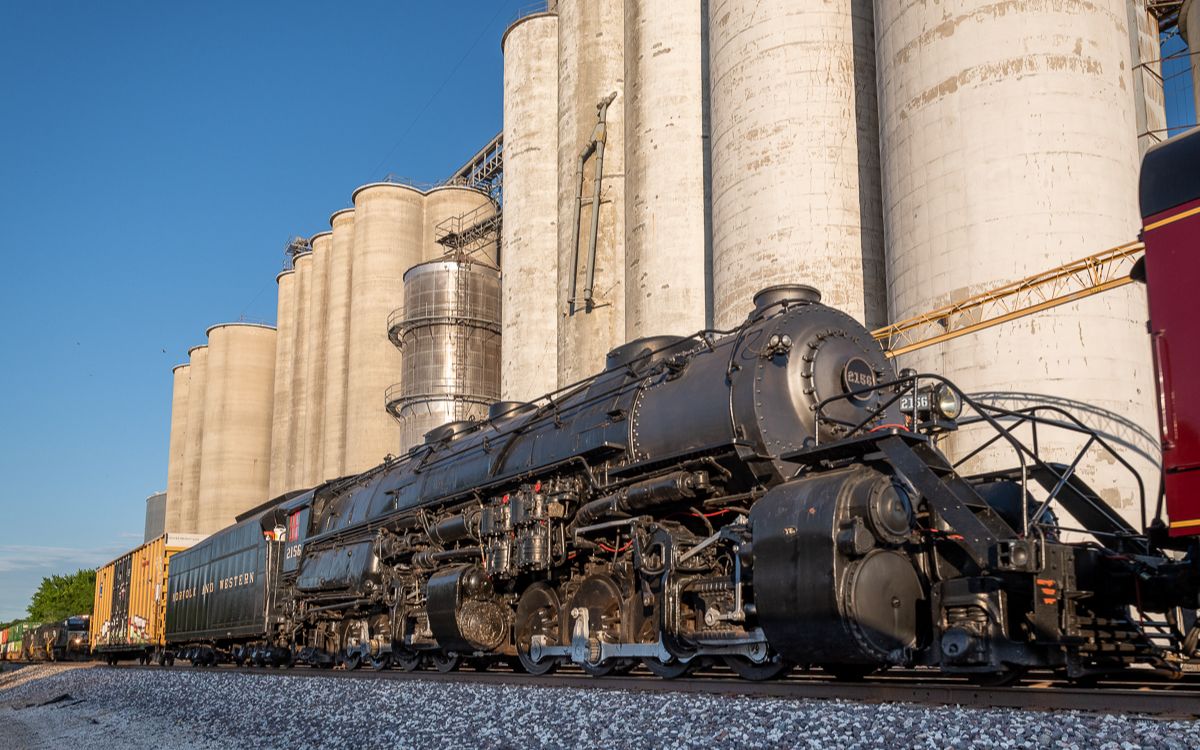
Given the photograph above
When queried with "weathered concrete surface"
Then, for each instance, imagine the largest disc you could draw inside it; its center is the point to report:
(297, 462)
(281, 413)
(462, 206)
(591, 67)
(795, 173)
(388, 240)
(1009, 145)
(237, 423)
(189, 492)
(317, 358)
(529, 243)
(666, 208)
(181, 378)
(337, 326)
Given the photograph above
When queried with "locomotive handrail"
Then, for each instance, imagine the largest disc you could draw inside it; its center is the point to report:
(1029, 415)
(989, 414)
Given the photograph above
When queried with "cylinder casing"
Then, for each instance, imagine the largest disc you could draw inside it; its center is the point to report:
(317, 358)
(237, 423)
(666, 201)
(450, 340)
(591, 68)
(193, 445)
(455, 209)
(180, 384)
(388, 240)
(337, 327)
(281, 413)
(530, 230)
(795, 154)
(297, 471)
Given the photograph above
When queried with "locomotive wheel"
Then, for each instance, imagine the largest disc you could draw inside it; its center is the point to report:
(444, 662)
(381, 662)
(281, 657)
(748, 670)
(601, 597)
(408, 661)
(352, 660)
(539, 613)
(671, 670)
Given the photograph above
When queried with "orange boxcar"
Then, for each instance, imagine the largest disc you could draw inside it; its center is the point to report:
(130, 601)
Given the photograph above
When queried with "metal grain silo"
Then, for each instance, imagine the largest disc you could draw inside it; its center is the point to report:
(317, 357)
(297, 462)
(237, 422)
(337, 327)
(156, 516)
(795, 155)
(388, 240)
(529, 243)
(591, 233)
(449, 333)
(193, 444)
(181, 377)
(1010, 147)
(456, 222)
(666, 203)
(281, 412)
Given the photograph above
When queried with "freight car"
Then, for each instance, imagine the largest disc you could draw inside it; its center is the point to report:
(12, 641)
(58, 641)
(221, 595)
(130, 601)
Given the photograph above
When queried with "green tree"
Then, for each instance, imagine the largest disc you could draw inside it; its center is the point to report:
(60, 597)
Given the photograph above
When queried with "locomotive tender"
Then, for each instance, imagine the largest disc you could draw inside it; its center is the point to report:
(765, 497)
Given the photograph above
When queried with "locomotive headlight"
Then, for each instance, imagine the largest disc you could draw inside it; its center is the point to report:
(948, 402)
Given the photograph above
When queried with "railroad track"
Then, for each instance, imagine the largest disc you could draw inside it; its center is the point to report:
(1158, 698)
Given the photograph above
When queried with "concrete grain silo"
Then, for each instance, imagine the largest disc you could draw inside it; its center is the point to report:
(181, 377)
(297, 462)
(591, 134)
(317, 357)
(388, 240)
(281, 413)
(237, 422)
(449, 334)
(193, 444)
(156, 516)
(1009, 146)
(666, 203)
(529, 242)
(795, 156)
(455, 209)
(337, 327)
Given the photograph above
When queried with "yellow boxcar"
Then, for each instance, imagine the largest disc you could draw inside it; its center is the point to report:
(129, 609)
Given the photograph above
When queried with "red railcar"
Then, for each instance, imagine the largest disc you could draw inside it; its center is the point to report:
(1170, 203)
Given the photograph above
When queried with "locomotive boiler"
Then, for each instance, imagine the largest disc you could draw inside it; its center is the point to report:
(763, 497)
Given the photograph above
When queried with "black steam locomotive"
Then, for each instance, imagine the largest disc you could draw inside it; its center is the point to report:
(764, 497)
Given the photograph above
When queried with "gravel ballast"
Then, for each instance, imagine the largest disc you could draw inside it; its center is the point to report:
(203, 709)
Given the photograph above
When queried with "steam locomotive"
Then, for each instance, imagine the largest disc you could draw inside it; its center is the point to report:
(764, 497)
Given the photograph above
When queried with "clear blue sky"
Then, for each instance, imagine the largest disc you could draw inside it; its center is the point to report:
(154, 158)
